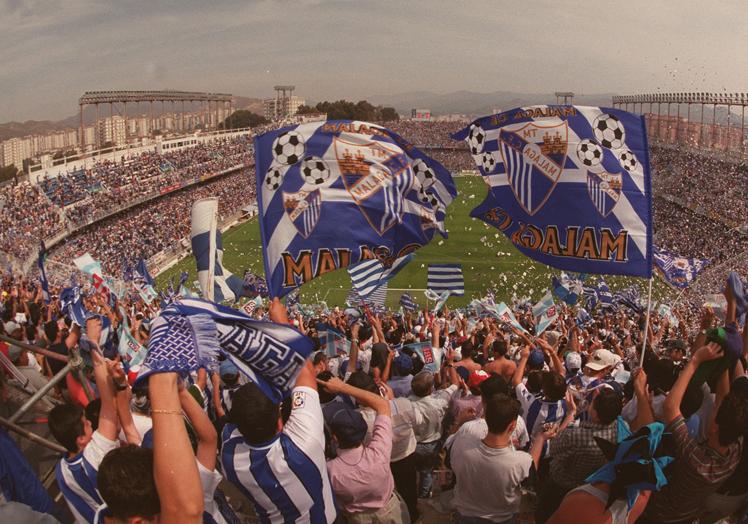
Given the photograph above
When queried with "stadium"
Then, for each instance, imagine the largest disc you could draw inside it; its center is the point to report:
(132, 204)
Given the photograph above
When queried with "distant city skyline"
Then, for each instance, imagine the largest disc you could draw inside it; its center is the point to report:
(52, 52)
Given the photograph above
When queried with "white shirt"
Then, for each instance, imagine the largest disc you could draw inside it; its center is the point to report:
(432, 409)
(76, 477)
(479, 428)
(404, 418)
(286, 478)
(488, 479)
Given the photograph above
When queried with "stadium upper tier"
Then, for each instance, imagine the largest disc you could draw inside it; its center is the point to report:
(707, 185)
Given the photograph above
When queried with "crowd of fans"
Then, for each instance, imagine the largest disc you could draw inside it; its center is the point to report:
(708, 182)
(31, 213)
(161, 223)
(425, 415)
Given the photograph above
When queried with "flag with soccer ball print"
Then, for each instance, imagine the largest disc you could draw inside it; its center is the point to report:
(569, 185)
(332, 194)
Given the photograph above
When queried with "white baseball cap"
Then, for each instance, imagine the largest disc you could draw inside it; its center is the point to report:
(601, 359)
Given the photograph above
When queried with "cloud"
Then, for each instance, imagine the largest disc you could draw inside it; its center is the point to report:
(54, 51)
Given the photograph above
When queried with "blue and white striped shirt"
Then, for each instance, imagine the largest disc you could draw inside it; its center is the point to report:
(537, 411)
(77, 477)
(285, 478)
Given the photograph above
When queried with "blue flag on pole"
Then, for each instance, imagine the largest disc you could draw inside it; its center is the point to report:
(407, 303)
(570, 186)
(216, 283)
(545, 313)
(332, 194)
(678, 271)
(72, 303)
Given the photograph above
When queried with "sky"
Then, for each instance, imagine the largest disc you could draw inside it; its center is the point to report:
(52, 51)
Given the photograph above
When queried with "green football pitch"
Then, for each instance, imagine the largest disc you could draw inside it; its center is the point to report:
(488, 258)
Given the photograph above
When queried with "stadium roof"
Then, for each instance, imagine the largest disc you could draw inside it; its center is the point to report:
(736, 99)
(107, 97)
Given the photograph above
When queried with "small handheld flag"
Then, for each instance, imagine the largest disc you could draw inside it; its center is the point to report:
(678, 271)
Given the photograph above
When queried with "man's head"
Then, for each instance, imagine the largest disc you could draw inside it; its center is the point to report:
(601, 363)
(364, 381)
(536, 360)
(346, 424)
(501, 414)
(553, 386)
(229, 372)
(500, 347)
(732, 418)
(257, 417)
(493, 385)
(320, 362)
(606, 406)
(125, 481)
(402, 365)
(69, 425)
(422, 384)
(467, 349)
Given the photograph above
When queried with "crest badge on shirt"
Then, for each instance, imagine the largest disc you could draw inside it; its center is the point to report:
(298, 400)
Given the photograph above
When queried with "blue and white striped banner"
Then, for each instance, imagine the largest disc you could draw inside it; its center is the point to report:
(446, 277)
(368, 275)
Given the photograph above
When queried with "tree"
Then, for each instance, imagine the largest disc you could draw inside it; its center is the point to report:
(388, 114)
(242, 118)
(306, 110)
(361, 110)
(8, 172)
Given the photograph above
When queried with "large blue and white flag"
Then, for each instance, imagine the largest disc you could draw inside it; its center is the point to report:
(88, 264)
(216, 282)
(678, 271)
(192, 333)
(43, 273)
(369, 275)
(335, 193)
(446, 277)
(570, 185)
(545, 313)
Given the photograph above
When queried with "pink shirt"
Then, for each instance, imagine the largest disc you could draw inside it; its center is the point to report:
(361, 478)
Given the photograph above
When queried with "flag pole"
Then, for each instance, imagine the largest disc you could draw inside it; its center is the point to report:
(646, 323)
(677, 299)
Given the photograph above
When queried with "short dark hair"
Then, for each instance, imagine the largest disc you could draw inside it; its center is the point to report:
(554, 386)
(66, 424)
(324, 395)
(494, 385)
(534, 381)
(608, 405)
(254, 414)
(501, 411)
(50, 331)
(361, 380)
(500, 347)
(319, 356)
(125, 481)
(692, 400)
(92, 413)
(422, 384)
(732, 418)
(467, 349)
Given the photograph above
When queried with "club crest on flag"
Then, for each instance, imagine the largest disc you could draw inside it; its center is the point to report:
(376, 175)
(604, 190)
(303, 208)
(534, 157)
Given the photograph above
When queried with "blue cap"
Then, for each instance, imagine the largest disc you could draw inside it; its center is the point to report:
(347, 424)
(537, 358)
(228, 368)
(403, 363)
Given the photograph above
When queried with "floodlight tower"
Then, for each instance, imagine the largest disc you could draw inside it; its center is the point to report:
(283, 96)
